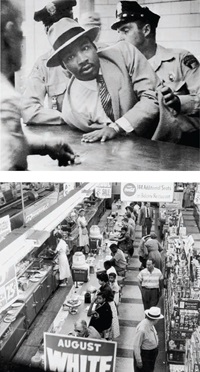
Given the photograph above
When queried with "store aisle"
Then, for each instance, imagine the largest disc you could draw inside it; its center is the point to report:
(131, 312)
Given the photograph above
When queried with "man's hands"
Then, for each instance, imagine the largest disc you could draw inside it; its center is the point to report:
(170, 99)
(139, 365)
(60, 150)
(102, 135)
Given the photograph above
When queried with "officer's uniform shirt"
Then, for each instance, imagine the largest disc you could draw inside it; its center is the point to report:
(179, 70)
(43, 97)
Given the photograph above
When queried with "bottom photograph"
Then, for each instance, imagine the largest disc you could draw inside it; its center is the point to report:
(98, 277)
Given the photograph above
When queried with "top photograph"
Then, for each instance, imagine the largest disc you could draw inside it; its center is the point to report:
(100, 85)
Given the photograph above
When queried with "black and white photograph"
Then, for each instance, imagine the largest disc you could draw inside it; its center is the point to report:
(100, 85)
(99, 277)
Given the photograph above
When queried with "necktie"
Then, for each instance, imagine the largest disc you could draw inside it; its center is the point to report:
(105, 98)
(147, 212)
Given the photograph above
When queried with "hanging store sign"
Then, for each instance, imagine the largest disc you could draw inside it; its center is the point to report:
(103, 190)
(5, 226)
(66, 353)
(8, 286)
(67, 187)
(147, 192)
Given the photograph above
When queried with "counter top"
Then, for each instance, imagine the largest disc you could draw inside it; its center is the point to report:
(122, 153)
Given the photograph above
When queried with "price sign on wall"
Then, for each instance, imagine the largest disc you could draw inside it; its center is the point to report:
(103, 190)
(8, 286)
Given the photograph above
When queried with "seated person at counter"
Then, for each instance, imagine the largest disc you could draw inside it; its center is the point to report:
(101, 317)
(125, 242)
(178, 69)
(114, 286)
(105, 288)
(44, 82)
(112, 90)
(109, 267)
(15, 145)
(118, 260)
(82, 330)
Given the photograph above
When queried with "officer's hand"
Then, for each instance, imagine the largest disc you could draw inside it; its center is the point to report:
(102, 135)
(60, 150)
(170, 99)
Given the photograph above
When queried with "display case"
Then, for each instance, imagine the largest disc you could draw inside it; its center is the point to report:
(182, 300)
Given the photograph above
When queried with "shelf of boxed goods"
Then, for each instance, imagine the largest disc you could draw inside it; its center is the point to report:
(182, 300)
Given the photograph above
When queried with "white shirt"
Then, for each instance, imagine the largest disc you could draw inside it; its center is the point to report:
(82, 102)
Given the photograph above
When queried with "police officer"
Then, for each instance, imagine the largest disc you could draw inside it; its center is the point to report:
(178, 69)
(44, 81)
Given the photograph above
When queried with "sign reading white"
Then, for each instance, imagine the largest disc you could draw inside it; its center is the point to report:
(66, 353)
(149, 192)
(5, 226)
(103, 190)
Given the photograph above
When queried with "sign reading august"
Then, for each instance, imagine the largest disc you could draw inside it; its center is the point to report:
(77, 354)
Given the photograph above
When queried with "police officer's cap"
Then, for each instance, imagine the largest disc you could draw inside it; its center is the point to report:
(54, 11)
(131, 11)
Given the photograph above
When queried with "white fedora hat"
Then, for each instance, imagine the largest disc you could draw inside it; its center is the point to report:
(154, 313)
(63, 33)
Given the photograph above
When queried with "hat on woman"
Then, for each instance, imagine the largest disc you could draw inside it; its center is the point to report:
(154, 313)
(63, 33)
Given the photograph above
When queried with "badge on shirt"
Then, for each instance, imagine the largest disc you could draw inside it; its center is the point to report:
(190, 61)
(51, 9)
(171, 76)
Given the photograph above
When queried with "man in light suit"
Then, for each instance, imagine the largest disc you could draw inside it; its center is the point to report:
(146, 219)
(129, 101)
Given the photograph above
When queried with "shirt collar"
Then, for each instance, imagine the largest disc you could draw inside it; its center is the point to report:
(91, 84)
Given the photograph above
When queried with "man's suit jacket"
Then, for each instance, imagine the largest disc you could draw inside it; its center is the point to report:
(143, 214)
(132, 84)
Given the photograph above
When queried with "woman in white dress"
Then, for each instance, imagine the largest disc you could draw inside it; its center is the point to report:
(83, 232)
(62, 250)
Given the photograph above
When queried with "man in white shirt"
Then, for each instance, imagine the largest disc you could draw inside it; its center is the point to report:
(112, 90)
(145, 349)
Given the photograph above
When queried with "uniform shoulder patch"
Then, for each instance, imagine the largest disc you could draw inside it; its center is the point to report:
(191, 61)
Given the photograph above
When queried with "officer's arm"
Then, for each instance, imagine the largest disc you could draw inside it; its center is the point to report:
(143, 116)
(190, 103)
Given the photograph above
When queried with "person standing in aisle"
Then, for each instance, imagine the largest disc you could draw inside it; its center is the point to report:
(150, 281)
(142, 252)
(83, 232)
(64, 270)
(154, 248)
(146, 341)
(146, 218)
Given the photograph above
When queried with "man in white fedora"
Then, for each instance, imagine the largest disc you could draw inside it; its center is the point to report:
(111, 91)
(145, 348)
